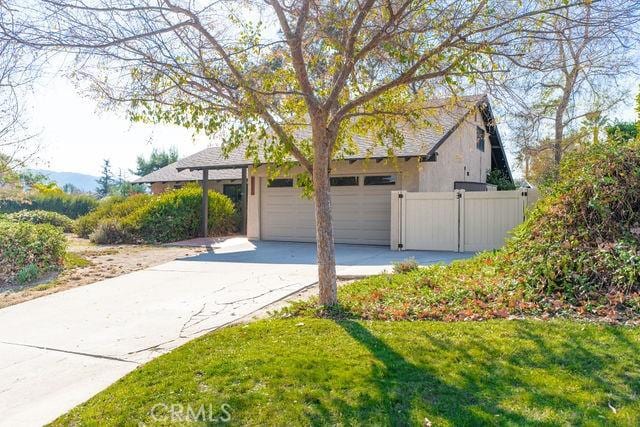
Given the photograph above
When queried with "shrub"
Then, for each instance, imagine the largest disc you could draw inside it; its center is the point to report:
(71, 205)
(500, 179)
(111, 207)
(175, 215)
(23, 244)
(27, 274)
(43, 217)
(405, 266)
(582, 240)
(171, 216)
(110, 231)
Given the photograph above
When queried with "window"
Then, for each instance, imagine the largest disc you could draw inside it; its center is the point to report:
(380, 180)
(233, 191)
(344, 181)
(280, 182)
(480, 138)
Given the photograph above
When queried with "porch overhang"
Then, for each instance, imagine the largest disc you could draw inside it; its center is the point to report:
(204, 210)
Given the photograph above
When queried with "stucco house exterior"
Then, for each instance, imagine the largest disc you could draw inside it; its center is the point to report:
(457, 153)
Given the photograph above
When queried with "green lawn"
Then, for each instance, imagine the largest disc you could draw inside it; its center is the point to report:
(318, 371)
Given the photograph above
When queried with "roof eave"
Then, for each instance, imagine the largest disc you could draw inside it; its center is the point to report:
(455, 127)
(214, 167)
(494, 135)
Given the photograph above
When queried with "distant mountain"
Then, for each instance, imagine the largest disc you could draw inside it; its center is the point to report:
(86, 183)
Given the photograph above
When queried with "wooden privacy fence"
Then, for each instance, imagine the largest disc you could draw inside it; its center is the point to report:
(458, 221)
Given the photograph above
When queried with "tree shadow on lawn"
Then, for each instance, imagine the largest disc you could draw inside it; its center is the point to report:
(611, 372)
(490, 384)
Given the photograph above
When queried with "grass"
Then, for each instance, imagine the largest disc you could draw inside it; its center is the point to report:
(72, 260)
(317, 371)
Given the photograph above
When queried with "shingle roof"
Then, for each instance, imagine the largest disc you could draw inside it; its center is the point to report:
(170, 173)
(417, 142)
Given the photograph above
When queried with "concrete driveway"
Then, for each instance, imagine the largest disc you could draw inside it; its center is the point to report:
(59, 350)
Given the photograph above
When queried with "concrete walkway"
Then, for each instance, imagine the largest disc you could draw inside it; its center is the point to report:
(57, 351)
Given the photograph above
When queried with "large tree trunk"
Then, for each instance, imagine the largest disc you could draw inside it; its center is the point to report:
(324, 225)
(558, 137)
(559, 118)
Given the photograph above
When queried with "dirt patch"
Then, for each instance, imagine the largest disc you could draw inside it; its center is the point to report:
(104, 262)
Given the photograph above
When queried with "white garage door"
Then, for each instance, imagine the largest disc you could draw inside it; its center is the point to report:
(361, 207)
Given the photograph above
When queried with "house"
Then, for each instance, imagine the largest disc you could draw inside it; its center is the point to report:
(226, 181)
(457, 153)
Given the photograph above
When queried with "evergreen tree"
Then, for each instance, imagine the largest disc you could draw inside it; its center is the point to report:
(158, 159)
(69, 188)
(106, 181)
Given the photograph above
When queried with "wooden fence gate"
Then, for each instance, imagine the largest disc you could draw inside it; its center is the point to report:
(457, 221)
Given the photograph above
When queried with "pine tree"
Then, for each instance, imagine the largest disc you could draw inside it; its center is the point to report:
(106, 181)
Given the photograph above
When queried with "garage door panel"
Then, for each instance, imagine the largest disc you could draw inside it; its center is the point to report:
(361, 214)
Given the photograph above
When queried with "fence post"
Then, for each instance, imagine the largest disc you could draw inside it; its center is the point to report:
(533, 195)
(397, 220)
(402, 199)
(460, 208)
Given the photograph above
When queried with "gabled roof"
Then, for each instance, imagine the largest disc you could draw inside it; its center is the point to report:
(170, 173)
(417, 142)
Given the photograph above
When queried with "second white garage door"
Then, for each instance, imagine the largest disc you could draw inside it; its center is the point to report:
(361, 207)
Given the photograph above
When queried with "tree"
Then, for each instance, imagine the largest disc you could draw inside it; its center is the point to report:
(157, 159)
(571, 72)
(539, 164)
(31, 178)
(18, 69)
(622, 131)
(121, 187)
(106, 181)
(638, 111)
(10, 185)
(295, 95)
(69, 188)
(125, 189)
(593, 124)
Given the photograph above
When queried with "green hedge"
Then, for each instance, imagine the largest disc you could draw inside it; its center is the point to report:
(175, 215)
(42, 217)
(112, 207)
(168, 217)
(28, 250)
(71, 205)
